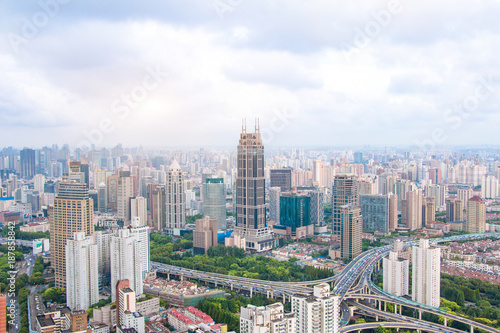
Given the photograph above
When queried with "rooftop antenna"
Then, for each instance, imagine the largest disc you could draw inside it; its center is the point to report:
(243, 125)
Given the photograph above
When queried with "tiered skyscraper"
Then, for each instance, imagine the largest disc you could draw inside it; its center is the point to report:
(73, 211)
(250, 193)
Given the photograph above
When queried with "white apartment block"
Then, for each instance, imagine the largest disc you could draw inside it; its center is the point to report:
(318, 312)
(396, 274)
(139, 210)
(126, 261)
(82, 272)
(426, 275)
(268, 319)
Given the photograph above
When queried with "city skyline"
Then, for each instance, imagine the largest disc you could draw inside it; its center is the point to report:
(315, 74)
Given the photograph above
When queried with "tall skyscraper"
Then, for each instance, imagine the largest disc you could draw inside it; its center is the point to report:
(124, 192)
(351, 229)
(426, 274)
(158, 207)
(175, 199)
(396, 275)
(39, 183)
(250, 193)
(126, 257)
(317, 313)
(411, 214)
(476, 215)
(281, 178)
(27, 163)
(102, 191)
(344, 192)
(82, 272)
(141, 233)
(274, 203)
(489, 187)
(375, 212)
(317, 207)
(454, 210)
(214, 201)
(73, 211)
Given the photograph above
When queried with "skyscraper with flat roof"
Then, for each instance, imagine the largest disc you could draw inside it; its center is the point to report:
(214, 200)
(426, 274)
(27, 163)
(344, 192)
(351, 228)
(73, 211)
(375, 212)
(281, 178)
(476, 215)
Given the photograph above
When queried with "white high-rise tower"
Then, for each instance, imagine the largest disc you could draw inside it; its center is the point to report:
(396, 275)
(426, 275)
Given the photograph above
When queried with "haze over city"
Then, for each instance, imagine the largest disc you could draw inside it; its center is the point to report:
(374, 72)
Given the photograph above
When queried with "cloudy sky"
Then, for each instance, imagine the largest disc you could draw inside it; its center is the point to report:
(180, 73)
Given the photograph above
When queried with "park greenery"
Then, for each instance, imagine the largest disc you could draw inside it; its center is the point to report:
(230, 261)
(21, 235)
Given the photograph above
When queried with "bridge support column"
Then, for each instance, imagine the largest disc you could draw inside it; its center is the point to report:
(251, 291)
(401, 309)
(471, 329)
(215, 281)
(445, 321)
(168, 276)
(395, 308)
(420, 314)
(385, 306)
(284, 298)
(231, 286)
(182, 277)
(267, 293)
(376, 318)
(379, 306)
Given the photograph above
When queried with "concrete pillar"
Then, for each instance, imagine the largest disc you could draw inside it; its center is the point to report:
(471, 329)
(251, 291)
(401, 309)
(272, 294)
(376, 318)
(385, 306)
(168, 276)
(379, 306)
(215, 282)
(395, 308)
(445, 321)
(284, 298)
(231, 286)
(420, 314)
(182, 277)
(267, 293)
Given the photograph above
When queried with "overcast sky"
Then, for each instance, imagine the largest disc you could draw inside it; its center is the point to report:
(185, 72)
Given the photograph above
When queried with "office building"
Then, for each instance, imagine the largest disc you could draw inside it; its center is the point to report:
(175, 199)
(281, 178)
(250, 193)
(317, 208)
(375, 212)
(73, 211)
(411, 215)
(317, 313)
(102, 194)
(344, 192)
(126, 262)
(351, 228)
(426, 274)
(139, 210)
(205, 235)
(214, 200)
(476, 215)
(274, 203)
(39, 183)
(82, 272)
(428, 211)
(271, 319)
(454, 210)
(396, 274)
(27, 163)
(295, 217)
(158, 207)
(124, 192)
